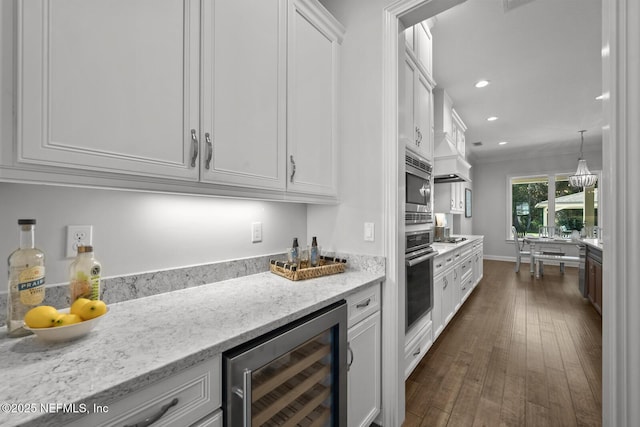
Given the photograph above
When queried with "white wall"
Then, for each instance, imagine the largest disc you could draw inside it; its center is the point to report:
(490, 191)
(360, 182)
(137, 232)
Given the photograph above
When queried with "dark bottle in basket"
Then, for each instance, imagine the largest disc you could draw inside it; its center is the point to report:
(313, 253)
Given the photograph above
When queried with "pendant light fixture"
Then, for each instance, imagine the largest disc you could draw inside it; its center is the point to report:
(583, 177)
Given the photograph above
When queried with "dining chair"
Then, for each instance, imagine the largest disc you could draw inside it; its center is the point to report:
(519, 251)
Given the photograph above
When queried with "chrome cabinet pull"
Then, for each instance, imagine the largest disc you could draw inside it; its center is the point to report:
(417, 352)
(350, 353)
(194, 144)
(364, 304)
(293, 167)
(152, 419)
(446, 283)
(207, 138)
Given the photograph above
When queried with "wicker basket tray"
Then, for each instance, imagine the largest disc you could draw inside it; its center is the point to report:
(328, 265)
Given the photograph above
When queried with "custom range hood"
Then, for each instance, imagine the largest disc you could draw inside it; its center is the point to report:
(449, 165)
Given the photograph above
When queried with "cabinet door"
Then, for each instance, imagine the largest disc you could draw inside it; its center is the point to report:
(408, 127)
(424, 46)
(109, 85)
(448, 303)
(437, 315)
(313, 47)
(244, 93)
(363, 378)
(424, 116)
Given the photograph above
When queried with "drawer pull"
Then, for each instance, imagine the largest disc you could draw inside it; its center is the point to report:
(417, 352)
(157, 416)
(364, 304)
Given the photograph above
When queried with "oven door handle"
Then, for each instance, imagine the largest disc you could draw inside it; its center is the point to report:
(415, 261)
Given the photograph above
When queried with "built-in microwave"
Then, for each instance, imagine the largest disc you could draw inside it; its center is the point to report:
(418, 197)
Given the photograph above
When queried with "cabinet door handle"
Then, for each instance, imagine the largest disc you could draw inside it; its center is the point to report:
(293, 167)
(152, 419)
(194, 144)
(349, 353)
(446, 283)
(207, 138)
(364, 304)
(417, 352)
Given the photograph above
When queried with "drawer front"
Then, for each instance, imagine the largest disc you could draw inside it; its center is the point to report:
(417, 348)
(188, 396)
(466, 285)
(442, 262)
(362, 304)
(466, 266)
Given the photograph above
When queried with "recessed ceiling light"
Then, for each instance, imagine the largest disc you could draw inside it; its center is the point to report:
(603, 96)
(502, 143)
(492, 119)
(482, 83)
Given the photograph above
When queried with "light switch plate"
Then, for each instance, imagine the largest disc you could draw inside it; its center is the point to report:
(369, 231)
(256, 232)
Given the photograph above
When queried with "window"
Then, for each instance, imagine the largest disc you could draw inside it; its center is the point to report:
(527, 215)
(549, 200)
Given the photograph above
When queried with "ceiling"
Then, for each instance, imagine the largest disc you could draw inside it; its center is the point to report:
(543, 61)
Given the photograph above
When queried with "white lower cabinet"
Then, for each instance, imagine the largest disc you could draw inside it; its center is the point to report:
(364, 358)
(190, 396)
(417, 345)
(456, 272)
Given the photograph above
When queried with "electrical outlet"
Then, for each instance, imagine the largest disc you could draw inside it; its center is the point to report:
(256, 232)
(78, 235)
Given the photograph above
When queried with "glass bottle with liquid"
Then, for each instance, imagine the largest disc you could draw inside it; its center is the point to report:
(84, 275)
(314, 257)
(26, 279)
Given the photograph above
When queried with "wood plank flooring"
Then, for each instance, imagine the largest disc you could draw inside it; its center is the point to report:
(520, 352)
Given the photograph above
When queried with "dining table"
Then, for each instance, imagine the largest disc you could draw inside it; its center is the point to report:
(535, 241)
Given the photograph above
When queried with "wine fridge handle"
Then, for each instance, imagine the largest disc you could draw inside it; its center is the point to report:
(246, 398)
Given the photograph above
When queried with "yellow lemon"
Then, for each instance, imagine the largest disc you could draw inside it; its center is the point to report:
(93, 309)
(77, 305)
(67, 319)
(42, 316)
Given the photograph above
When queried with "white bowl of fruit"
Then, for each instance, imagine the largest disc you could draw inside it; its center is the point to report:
(66, 324)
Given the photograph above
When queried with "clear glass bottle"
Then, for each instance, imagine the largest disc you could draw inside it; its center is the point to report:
(313, 253)
(26, 279)
(84, 275)
(294, 256)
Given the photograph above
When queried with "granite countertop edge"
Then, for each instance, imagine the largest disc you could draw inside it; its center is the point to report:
(219, 316)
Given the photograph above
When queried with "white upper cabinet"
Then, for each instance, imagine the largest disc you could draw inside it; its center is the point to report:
(244, 93)
(416, 110)
(420, 43)
(226, 97)
(313, 53)
(424, 47)
(109, 85)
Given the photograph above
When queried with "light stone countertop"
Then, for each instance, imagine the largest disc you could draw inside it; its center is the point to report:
(444, 248)
(594, 243)
(144, 340)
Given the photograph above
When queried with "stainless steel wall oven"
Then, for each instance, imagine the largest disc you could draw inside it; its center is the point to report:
(419, 275)
(418, 200)
(295, 375)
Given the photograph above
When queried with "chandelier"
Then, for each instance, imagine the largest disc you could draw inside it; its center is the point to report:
(583, 177)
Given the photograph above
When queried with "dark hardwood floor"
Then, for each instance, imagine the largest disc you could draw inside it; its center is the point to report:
(520, 352)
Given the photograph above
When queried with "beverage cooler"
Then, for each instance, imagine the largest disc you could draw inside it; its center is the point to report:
(293, 376)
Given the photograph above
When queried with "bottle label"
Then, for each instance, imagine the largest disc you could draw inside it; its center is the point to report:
(95, 282)
(31, 285)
